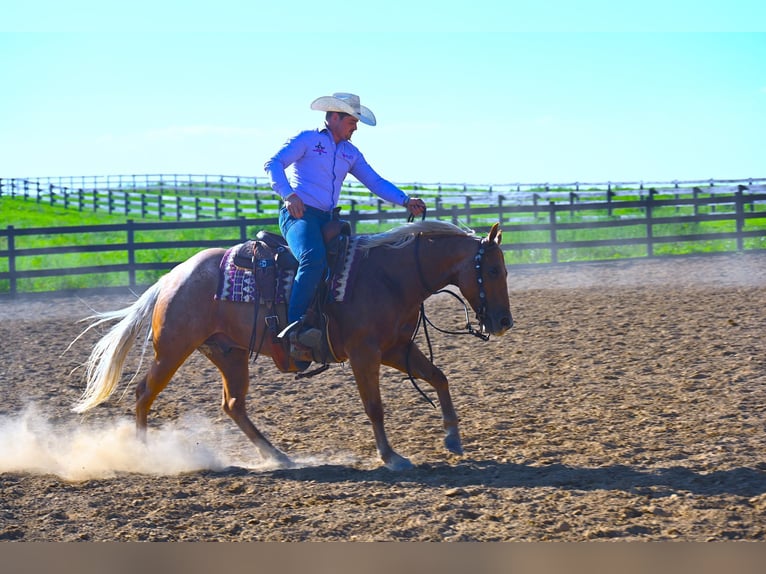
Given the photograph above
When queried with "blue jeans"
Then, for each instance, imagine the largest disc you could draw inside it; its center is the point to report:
(304, 236)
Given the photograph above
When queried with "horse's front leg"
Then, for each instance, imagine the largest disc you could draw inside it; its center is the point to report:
(366, 368)
(421, 368)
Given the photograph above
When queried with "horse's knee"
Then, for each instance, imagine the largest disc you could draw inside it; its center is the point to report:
(231, 406)
(438, 379)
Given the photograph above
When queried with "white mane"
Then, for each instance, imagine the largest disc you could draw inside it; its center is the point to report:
(401, 236)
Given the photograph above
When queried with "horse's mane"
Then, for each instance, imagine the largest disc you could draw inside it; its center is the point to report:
(401, 236)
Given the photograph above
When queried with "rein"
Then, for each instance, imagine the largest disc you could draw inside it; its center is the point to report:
(424, 321)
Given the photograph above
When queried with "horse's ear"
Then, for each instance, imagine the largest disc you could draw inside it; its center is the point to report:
(495, 234)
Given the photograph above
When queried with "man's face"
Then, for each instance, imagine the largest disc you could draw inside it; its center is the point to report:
(342, 128)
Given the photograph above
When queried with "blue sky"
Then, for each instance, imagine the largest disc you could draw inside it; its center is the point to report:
(498, 93)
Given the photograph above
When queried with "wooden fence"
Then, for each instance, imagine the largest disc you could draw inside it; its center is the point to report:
(177, 197)
(652, 225)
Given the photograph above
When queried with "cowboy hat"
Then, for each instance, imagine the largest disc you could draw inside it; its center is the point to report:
(343, 102)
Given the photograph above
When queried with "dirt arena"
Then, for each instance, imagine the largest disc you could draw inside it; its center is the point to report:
(627, 403)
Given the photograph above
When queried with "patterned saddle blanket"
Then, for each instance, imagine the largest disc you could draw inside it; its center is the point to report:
(239, 281)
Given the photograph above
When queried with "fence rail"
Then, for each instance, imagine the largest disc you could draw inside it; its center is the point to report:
(133, 254)
(201, 197)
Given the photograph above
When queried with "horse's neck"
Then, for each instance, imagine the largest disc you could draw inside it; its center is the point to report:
(441, 259)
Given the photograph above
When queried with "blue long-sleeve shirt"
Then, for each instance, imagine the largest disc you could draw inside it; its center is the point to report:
(319, 169)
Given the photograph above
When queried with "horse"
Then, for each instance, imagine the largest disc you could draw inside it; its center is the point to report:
(400, 269)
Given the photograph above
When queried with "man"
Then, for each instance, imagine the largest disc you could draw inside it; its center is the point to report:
(321, 159)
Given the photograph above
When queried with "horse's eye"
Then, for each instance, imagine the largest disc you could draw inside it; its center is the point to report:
(493, 272)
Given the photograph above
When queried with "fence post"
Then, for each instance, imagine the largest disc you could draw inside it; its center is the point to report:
(468, 211)
(740, 217)
(649, 231)
(352, 216)
(11, 261)
(572, 197)
(552, 223)
(80, 200)
(178, 208)
(695, 192)
(131, 253)
(743, 188)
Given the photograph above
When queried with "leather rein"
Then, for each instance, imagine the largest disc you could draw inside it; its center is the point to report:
(424, 321)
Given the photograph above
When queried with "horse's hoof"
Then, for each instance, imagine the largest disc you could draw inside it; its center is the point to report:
(280, 459)
(285, 462)
(452, 443)
(398, 463)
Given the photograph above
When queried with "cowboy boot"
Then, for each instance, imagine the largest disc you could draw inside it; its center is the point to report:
(311, 338)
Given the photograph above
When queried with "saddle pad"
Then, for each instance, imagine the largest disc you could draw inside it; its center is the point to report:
(239, 285)
(236, 284)
(342, 281)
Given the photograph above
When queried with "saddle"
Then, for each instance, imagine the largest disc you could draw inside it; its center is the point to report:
(269, 258)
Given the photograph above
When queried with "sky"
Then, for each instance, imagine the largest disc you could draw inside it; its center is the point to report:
(486, 92)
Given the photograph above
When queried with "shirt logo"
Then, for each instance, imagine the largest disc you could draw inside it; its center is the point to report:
(319, 148)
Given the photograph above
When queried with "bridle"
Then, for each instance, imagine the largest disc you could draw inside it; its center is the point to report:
(424, 321)
(481, 314)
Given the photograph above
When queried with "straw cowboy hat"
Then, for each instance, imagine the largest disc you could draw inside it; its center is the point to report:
(343, 102)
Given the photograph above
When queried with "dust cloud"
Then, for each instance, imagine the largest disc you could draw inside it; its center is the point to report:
(79, 450)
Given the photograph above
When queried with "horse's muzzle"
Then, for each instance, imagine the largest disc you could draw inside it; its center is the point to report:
(498, 325)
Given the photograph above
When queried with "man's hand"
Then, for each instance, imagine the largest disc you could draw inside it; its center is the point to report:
(294, 205)
(416, 206)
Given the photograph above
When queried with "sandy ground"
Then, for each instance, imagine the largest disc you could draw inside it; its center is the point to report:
(628, 403)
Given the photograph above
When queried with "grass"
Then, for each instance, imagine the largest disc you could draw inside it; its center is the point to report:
(629, 225)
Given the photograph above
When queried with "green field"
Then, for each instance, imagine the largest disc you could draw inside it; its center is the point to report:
(626, 223)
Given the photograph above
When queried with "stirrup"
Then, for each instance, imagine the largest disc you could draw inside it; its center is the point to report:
(301, 354)
(311, 337)
(289, 329)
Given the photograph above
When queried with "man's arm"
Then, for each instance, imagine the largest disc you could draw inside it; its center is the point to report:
(276, 166)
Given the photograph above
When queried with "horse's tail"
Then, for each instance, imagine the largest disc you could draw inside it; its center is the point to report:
(105, 364)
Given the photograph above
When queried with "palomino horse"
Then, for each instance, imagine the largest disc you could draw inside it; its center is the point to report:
(400, 269)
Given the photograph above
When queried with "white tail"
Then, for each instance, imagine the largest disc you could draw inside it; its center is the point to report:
(106, 361)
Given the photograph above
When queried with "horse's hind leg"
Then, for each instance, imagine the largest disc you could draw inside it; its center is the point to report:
(233, 364)
(159, 374)
(421, 368)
